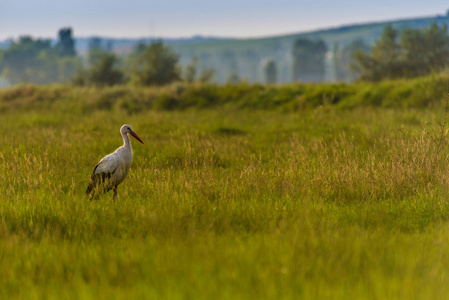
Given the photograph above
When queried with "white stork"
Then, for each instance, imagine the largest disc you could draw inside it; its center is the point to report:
(113, 168)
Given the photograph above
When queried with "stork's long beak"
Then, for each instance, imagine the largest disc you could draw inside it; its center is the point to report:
(135, 136)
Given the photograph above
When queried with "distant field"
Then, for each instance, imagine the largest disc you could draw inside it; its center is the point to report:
(332, 200)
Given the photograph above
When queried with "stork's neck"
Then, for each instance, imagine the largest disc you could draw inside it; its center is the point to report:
(126, 141)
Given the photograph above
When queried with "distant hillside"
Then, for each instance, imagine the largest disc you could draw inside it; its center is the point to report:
(247, 57)
(124, 45)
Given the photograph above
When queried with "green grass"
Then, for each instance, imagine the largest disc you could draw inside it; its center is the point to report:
(223, 203)
(422, 92)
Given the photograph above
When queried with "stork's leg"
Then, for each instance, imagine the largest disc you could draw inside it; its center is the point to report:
(115, 193)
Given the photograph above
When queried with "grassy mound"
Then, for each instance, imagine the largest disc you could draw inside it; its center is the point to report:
(421, 92)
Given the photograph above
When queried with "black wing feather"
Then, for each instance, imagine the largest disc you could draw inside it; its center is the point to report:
(98, 179)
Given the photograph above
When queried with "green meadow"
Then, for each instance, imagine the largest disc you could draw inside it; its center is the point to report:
(316, 192)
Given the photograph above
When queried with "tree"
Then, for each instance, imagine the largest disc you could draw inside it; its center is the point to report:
(413, 52)
(424, 51)
(103, 72)
(68, 66)
(95, 43)
(29, 60)
(270, 71)
(154, 64)
(308, 60)
(383, 61)
(387, 48)
(417, 53)
(96, 48)
(343, 59)
(437, 42)
(37, 61)
(66, 43)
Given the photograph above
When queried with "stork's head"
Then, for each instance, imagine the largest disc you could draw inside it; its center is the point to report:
(127, 129)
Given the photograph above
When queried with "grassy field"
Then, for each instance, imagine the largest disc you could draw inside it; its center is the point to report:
(225, 203)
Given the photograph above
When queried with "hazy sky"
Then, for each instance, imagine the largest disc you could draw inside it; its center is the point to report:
(179, 18)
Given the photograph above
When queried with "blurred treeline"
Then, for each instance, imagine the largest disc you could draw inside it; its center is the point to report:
(405, 54)
(38, 61)
(396, 54)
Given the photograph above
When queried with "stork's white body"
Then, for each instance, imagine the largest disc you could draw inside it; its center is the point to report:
(117, 163)
(112, 169)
